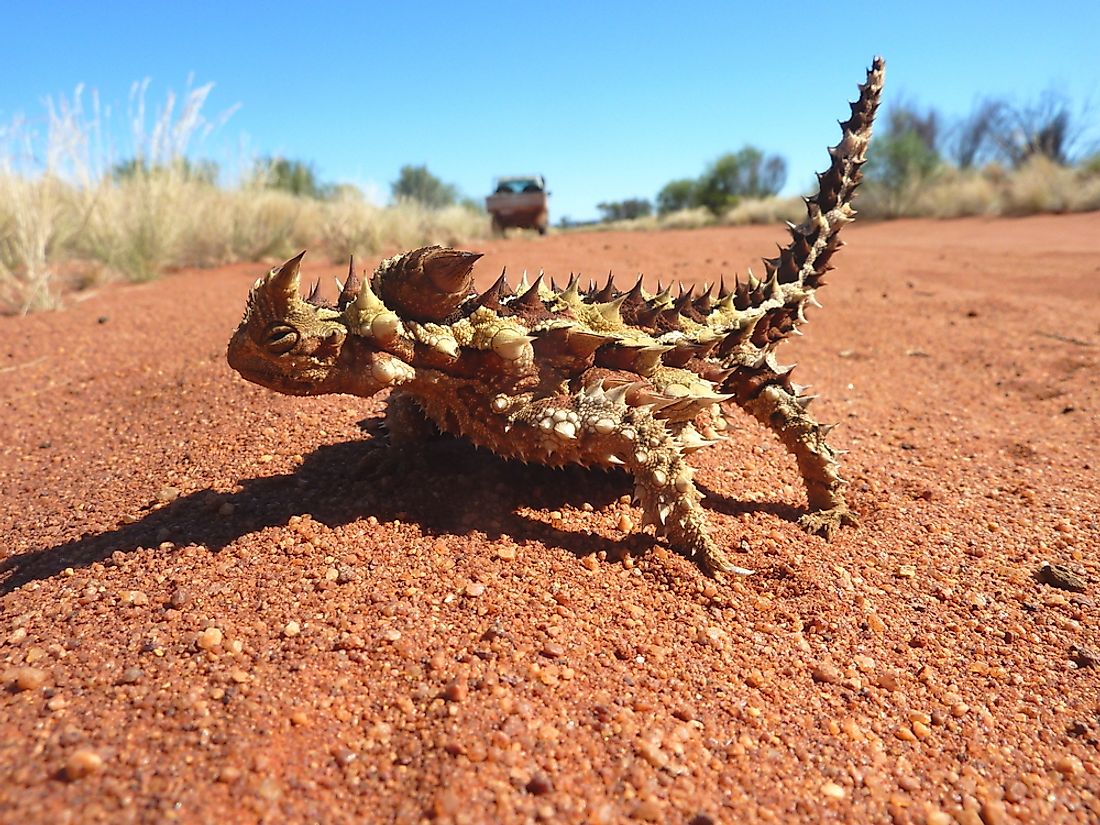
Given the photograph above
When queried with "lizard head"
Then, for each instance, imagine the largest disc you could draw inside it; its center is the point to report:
(300, 346)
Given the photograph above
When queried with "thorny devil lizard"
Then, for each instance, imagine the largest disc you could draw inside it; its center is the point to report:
(596, 377)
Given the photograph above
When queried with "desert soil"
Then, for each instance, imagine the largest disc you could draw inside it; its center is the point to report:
(209, 612)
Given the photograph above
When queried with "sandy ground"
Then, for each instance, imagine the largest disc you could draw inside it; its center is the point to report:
(206, 615)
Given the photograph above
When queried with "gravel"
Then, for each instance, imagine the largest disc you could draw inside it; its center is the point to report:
(289, 640)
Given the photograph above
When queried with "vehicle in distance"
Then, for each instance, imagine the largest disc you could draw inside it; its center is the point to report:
(520, 201)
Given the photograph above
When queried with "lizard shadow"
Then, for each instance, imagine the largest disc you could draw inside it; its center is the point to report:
(727, 506)
(464, 489)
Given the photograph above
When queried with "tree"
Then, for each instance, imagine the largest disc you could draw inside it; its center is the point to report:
(625, 210)
(1045, 127)
(747, 173)
(903, 158)
(972, 143)
(416, 183)
(294, 176)
(676, 195)
(997, 130)
(201, 171)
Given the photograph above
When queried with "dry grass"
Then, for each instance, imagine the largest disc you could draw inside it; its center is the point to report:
(351, 225)
(140, 226)
(1039, 186)
(765, 210)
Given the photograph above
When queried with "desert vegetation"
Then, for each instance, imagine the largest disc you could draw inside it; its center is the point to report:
(999, 159)
(71, 214)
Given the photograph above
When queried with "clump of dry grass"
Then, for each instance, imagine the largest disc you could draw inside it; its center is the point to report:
(749, 211)
(33, 223)
(351, 225)
(774, 209)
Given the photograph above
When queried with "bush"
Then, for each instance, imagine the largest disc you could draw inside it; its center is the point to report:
(417, 184)
(294, 176)
(748, 173)
(625, 210)
(676, 195)
(902, 160)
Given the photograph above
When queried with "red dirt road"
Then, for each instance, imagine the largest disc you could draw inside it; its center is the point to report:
(206, 615)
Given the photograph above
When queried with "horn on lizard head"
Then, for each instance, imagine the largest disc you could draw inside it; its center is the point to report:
(283, 283)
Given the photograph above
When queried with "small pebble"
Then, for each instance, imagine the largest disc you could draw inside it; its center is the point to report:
(17, 636)
(82, 762)
(166, 494)
(626, 523)
(1069, 765)
(832, 790)
(887, 680)
(344, 757)
(552, 650)
(474, 589)
(209, 638)
(992, 812)
(292, 629)
(506, 553)
(28, 678)
(131, 676)
(647, 810)
(539, 785)
(1084, 657)
(456, 691)
(1060, 576)
(180, 597)
(269, 789)
(826, 674)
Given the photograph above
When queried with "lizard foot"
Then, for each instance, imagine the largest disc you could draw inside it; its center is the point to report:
(826, 522)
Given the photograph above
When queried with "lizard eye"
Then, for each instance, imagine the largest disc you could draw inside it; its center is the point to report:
(281, 338)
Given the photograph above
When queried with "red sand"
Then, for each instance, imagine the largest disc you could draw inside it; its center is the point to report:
(481, 642)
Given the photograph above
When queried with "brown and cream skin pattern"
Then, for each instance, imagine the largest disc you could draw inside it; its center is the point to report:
(601, 377)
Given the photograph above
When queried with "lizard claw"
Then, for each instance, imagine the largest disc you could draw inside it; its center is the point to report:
(826, 522)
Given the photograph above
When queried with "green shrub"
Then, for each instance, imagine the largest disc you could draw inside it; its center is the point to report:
(675, 196)
(625, 210)
(417, 184)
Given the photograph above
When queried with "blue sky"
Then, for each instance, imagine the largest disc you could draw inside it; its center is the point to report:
(608, 100)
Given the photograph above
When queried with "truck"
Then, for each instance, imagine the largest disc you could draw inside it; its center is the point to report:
(521, 201)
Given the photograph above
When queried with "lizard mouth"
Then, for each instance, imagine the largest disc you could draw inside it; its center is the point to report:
(260, 370)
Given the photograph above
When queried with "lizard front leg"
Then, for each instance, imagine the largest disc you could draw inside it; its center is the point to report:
(408, 432)
(595, 427)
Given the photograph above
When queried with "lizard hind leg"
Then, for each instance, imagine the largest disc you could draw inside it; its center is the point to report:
(597, 427)
(784, 412)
